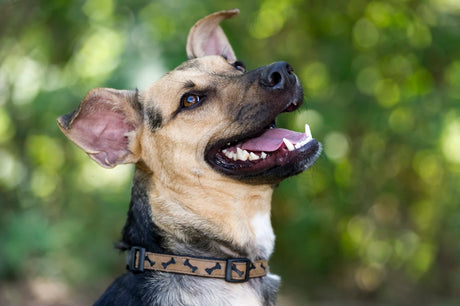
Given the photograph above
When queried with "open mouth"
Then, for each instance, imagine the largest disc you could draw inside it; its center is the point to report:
(265, 153)
(272, 141)
(270, 152)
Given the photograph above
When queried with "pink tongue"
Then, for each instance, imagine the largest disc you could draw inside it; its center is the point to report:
(271, 140)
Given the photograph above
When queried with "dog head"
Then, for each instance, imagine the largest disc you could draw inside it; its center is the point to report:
(209, 117)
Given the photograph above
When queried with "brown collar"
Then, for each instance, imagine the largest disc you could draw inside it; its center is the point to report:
(234, 270)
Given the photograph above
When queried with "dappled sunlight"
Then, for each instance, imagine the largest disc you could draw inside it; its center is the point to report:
(401, 120)
(387, 92)
(450, 140)
(100, 53)
(99, 10)
(11, 171)
(365, 34)
(446, 5)
(367, 79)
(270, 18)
(374, 220)
(452, 76)
(27, 77)
(418, 35)
(93, 177)
(370, 277)
(315, 78)
(336, 145)
(6, 126)
(311, 117)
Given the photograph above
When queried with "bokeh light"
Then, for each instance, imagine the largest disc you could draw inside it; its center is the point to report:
(374, 222)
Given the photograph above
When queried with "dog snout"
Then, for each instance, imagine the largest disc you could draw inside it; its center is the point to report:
(278, 76)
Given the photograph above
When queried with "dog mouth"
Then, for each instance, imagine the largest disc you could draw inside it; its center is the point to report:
(270, 154)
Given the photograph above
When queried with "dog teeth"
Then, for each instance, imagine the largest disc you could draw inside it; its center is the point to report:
(229, 154)
(243, 155)
(288, 144)
(302, 143)
(307, 139)
(253, 156)
(308, 132)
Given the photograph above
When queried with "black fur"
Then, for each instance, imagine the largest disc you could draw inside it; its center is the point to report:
(159, 288)
(154, 118)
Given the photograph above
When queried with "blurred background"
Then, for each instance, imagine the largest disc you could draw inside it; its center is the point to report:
(376, 221)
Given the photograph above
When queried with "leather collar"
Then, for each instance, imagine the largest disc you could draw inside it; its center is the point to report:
(233, 270)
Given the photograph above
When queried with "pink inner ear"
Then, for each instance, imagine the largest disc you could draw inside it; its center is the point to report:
(213, 45)
(102, 132)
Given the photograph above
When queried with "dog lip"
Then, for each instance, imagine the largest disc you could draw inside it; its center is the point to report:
(282, 163)
(293, 106)
(297, 99)
(296, 154)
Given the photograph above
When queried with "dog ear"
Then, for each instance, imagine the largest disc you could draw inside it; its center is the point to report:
(206, 37)
(105, 126)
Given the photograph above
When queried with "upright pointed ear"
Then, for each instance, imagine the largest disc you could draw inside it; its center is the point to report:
(105, 126)
(206, 37)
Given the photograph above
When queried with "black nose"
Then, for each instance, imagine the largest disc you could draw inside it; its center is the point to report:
(279, 75)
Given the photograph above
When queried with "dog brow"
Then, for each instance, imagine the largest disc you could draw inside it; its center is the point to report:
(189, 84)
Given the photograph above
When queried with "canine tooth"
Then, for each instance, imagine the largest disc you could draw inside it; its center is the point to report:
(242, 154)
(308, 131)
(253, 156)
(263, 155)
(288, 144)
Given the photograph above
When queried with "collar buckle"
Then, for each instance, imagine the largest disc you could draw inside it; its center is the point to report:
(131, 263)
(230, 267)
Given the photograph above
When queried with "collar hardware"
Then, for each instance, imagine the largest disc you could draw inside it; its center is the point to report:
(132, 262)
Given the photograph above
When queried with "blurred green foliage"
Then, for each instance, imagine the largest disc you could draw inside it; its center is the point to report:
(378, 216)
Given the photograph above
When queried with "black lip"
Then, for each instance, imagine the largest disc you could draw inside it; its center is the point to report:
(277, 166)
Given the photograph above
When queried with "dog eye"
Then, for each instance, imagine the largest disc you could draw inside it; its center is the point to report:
(189, 100)
(239, 66)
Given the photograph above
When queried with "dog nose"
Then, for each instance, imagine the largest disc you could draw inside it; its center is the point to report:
(278, 76)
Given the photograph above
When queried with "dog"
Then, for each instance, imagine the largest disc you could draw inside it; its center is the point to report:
(207, 157)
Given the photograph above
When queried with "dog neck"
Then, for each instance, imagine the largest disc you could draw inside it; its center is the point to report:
(204, 221)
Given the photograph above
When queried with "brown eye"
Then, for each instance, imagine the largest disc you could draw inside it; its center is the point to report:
(190, 100)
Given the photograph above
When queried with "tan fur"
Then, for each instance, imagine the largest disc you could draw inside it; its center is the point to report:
(185, 189)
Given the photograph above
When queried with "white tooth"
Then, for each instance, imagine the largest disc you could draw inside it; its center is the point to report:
(253, 156)
(308, 131)
(302, 143)
(288, 144)
(227, 153)
(263, 155)
(242, 154)
(233, 156)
